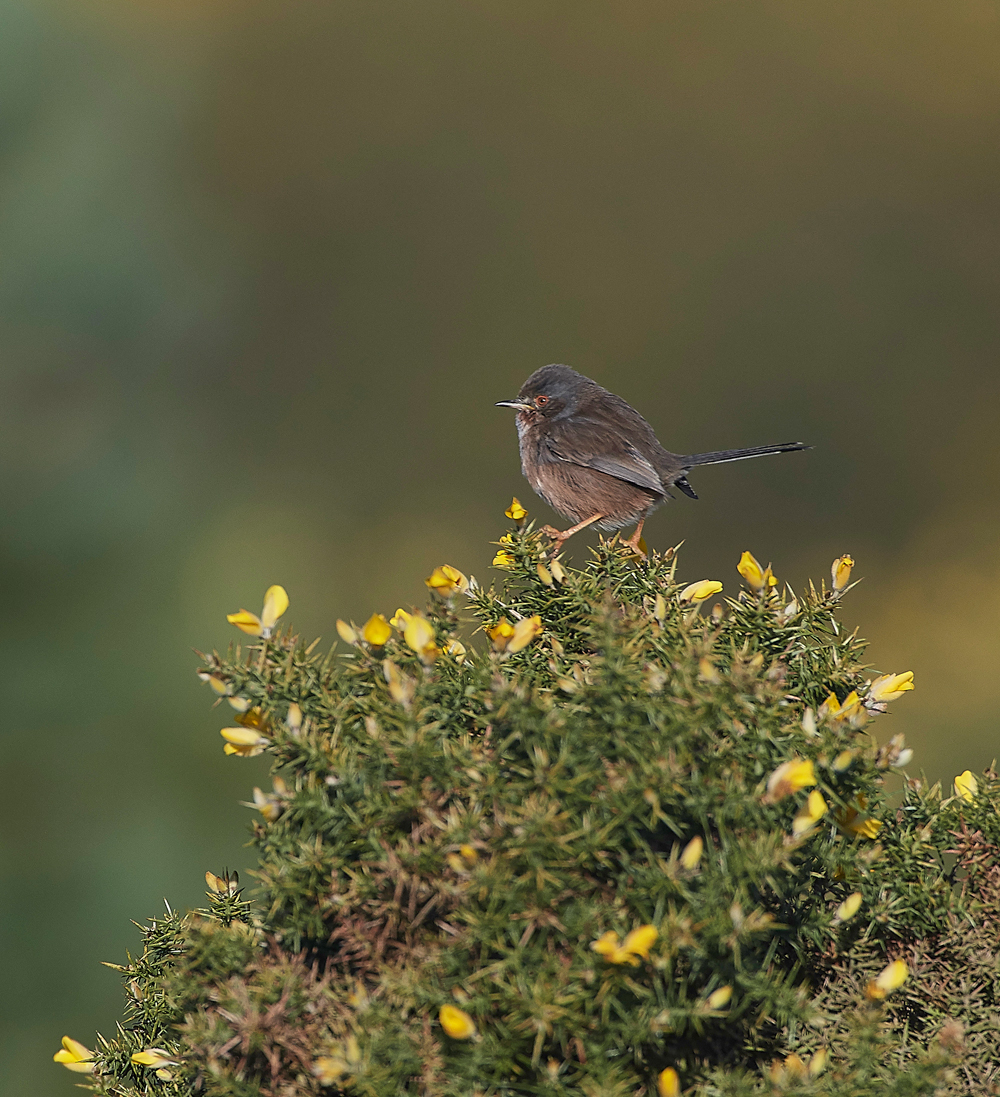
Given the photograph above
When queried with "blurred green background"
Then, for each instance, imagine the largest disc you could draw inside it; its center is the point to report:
(264, 269)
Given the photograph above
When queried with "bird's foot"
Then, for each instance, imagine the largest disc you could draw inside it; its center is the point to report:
(636, 542)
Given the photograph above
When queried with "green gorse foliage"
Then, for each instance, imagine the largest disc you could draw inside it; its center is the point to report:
(459, 824)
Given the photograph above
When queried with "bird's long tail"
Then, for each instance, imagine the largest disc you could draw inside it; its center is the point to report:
(720, 456)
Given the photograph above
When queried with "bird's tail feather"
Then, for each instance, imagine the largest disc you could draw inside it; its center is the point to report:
(720, 456)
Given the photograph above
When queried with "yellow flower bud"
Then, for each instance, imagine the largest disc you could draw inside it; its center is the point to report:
(217, 684)
(795, 1069)
(720, 998)
(698, 592)
(892, 977)
(848, 908)
(789, 777)
(751, 571)
(246, 742)
(691, 854)
(346, 632)
(457, 1023)
(154, 1057)
(817, 1064)
(843, 761)
(401, 686)
(558, 571)
(966, 786)
(515, 511)
(456, 649)
(668, 1084)
(377, 630)
(841, 572)
(526, 630)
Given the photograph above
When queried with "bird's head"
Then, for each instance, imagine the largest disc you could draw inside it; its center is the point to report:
(549, 393)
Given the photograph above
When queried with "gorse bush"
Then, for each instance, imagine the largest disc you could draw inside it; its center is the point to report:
(613, 842)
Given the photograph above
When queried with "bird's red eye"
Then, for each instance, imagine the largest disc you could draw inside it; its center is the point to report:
(541, 401)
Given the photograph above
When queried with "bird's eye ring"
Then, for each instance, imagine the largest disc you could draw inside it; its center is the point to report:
(541, 401)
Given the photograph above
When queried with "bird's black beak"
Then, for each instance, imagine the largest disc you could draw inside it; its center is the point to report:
(519, 404)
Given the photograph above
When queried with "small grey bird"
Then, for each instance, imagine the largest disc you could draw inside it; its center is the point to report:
(594, 459)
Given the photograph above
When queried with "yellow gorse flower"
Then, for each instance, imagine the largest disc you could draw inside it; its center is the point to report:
(275, 604)
(501, 632)
(456, 649)
(270, 804)
(892, 977)
(526, 630)
(889, 687)
(698, 592)
(515, 511)
(636, 944)
(377, 630)
(841, 572)
(399, 618)
(810, 814)
(668, 1084)
(456, 1023)
(850, 710)
(789, 777)
(755, 576)
(868, 828)
(419, 634)
(446, 580)
(504, 560)
(966, 786)
(74, 1056)
(329, 1069)
(246, 742)
(850, 819)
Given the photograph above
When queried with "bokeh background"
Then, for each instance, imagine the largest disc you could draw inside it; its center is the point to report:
(264, 269)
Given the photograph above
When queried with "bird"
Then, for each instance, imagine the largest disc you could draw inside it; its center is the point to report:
(594, 459)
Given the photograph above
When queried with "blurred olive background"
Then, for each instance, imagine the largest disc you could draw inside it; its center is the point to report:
(264, 269)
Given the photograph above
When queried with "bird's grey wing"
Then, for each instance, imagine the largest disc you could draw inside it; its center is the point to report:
(594, 446)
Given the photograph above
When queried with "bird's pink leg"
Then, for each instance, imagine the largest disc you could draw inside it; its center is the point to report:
(559, 536)
(633, 541)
